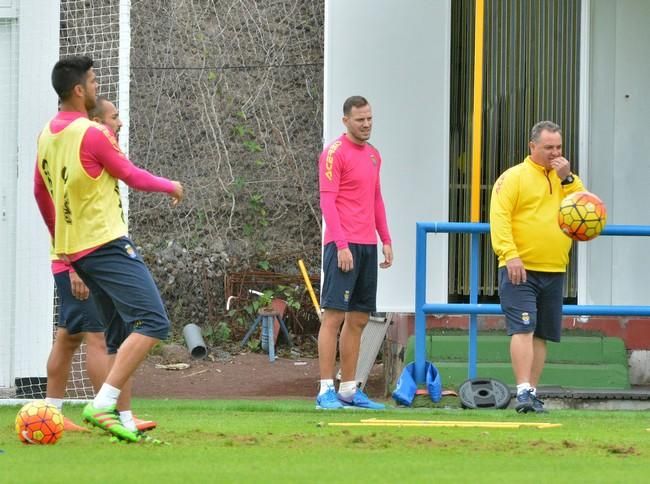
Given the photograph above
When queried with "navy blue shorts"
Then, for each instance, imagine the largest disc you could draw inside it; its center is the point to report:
(350, 291)
(124, 291)
(74, 315)
(535, 306)
(116, 332)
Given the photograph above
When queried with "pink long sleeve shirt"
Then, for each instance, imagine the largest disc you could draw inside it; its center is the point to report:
(350, 194)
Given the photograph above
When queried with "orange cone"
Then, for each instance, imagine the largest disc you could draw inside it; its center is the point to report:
(144, 425)
(70, 426)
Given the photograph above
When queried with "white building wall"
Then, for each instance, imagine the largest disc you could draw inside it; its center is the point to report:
(617, 269)
(26, 315)
(8, 163)
(396, 54)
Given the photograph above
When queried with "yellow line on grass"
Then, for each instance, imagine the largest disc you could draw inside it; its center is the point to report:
(443, 423)
(479, 425)
(507, 424)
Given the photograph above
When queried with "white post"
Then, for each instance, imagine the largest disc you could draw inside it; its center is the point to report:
(124, 78)
(583, 138)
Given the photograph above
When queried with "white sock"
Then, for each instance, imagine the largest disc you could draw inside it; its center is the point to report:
(533, 390)
(126, 417)
(326, 385)
(106, 396)
(347, 389)
(57, 402)
(523, 387)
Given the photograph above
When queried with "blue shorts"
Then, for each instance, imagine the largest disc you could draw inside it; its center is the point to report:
(74, 315)
(124, 291)
(534, 306)
(350, 291)
(116, 332)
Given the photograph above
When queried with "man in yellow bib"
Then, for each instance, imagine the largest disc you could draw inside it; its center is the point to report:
(79, 321)
(78, 165)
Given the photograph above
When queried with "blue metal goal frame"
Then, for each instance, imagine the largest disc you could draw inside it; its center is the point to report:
(422, 308)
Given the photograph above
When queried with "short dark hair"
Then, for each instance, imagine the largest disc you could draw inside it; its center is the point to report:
(98, 110)
(69, 72)
(354, 102)
(543, 126)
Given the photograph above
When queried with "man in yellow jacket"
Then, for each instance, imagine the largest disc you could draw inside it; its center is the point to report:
(533, 254)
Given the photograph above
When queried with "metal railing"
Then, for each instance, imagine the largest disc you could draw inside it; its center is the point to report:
(422, 308)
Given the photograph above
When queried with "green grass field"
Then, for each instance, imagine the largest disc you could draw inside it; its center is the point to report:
(290, 441)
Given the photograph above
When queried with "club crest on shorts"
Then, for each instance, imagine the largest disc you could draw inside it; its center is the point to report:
(346, 296)
(525, 318)
(130, 251)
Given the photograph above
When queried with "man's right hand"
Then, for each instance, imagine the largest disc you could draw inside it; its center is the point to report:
(79, 289)
(177, 194)
(561, 166)
(346, 264)
(516, 271)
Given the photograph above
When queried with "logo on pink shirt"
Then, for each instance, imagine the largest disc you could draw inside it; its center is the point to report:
(329, 161)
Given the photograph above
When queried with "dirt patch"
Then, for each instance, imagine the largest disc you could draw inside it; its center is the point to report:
(247, 375)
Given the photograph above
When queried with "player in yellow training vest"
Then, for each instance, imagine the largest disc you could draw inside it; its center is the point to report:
(78, 165)
(79, 321)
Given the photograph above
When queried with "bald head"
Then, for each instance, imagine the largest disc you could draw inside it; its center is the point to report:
(106, 113)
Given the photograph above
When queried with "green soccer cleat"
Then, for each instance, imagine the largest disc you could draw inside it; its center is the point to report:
(108, 419)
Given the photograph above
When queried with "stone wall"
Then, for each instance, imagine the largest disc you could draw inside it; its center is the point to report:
(226, 97)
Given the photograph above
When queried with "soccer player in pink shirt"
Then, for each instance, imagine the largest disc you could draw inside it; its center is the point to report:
(354, 213)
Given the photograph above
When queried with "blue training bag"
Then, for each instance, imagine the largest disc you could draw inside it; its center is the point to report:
(406, 387)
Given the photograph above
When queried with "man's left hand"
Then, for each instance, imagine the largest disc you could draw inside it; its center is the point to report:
(388, 257)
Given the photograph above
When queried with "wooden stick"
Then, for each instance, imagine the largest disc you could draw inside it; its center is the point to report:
(310, 289)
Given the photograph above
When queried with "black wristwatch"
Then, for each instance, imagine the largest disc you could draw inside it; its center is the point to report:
(568, 180)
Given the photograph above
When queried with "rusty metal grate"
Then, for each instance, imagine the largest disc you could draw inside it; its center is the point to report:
(302, 321)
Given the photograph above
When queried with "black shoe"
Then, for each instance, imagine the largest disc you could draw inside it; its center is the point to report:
(525, 402)
(538, 405)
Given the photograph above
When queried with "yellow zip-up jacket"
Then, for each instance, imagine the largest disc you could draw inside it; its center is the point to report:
(524, 217)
